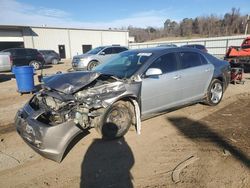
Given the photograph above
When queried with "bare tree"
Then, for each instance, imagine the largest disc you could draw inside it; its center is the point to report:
(230, 24)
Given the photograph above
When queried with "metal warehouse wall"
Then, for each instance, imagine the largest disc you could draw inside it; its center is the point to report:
(48, 38)
(95, 38)
(11, 36)
(216, 45)
(73, 39)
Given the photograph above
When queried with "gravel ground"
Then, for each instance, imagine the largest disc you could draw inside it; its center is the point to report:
(217, 136)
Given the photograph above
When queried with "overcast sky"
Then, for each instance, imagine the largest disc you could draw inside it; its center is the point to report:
(110, 13)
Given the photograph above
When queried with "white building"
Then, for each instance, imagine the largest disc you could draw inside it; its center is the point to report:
(66, 41)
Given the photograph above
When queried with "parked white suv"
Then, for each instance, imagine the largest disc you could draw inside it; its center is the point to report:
(95, 56)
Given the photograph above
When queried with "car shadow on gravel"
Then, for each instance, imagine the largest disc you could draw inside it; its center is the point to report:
(107, 163)
(47, 66)
(79, 137)
(198, 131)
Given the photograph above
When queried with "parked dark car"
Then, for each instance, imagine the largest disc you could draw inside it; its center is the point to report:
(26, 56)
(117, 94)
(197, 46)
(50, 56)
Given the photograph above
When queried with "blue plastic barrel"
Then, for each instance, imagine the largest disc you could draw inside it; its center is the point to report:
(24, 78)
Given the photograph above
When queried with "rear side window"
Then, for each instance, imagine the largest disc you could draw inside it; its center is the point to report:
(53, 52)
(31, 52)
(20, 52)
(190, 59)
(118, 50)
(167, 63)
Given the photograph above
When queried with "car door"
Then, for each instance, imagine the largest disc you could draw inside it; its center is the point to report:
(47, 56)
(196, 74)
(19, 57)
(105, 54)
(163, 91)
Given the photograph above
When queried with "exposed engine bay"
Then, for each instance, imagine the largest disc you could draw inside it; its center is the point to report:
(82, 106)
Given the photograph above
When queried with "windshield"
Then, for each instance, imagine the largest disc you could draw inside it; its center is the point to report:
(123, 65)
(95, 50)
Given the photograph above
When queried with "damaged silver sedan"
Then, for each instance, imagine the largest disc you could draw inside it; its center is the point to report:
(117, 94)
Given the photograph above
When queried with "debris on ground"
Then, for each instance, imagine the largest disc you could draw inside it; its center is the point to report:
(226, 152)
(177, 170)
(10, 156)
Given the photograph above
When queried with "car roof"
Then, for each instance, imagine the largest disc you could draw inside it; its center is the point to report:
(112, 46)
(20, 48)
(194, 45)
(46, 51)
(161, 50)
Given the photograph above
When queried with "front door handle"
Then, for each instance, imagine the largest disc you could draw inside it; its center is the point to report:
(177, 77)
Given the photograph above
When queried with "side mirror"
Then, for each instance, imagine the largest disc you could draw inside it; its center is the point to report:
(153, 72)
(102, 53)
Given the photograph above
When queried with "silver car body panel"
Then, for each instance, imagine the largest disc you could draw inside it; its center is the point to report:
(88, 93)
(49, 141)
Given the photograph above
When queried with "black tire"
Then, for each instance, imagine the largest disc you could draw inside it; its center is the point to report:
(35, 64)
(116, 120)
(54, 61)
(215, 93)
(92, 64)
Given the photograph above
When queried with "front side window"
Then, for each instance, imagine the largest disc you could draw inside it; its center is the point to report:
(167, 63)
(118, 50)
(189, 59)
(108, 51)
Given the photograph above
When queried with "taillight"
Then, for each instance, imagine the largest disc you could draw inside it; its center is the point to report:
(11, 60)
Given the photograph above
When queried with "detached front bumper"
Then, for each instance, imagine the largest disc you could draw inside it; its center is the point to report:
(49, 141)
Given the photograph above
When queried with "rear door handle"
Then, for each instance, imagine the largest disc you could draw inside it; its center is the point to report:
(177, 77)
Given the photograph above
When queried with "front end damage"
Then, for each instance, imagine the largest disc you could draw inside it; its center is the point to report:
(68, 104)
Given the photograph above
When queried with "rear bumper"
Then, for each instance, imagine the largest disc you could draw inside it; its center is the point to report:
(49, 141)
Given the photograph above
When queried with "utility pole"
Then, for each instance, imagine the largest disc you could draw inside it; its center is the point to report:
(248, 20)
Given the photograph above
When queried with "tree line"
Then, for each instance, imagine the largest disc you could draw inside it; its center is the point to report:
(232, 23)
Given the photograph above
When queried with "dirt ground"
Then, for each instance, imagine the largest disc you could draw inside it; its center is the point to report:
(218, 137)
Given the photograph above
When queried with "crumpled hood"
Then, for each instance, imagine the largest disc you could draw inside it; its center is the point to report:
(71, 82)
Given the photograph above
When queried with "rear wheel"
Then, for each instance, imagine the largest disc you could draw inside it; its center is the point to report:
(35, 64)
(214, 93)
(54, 61)
(116, 121)
(92, 64)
